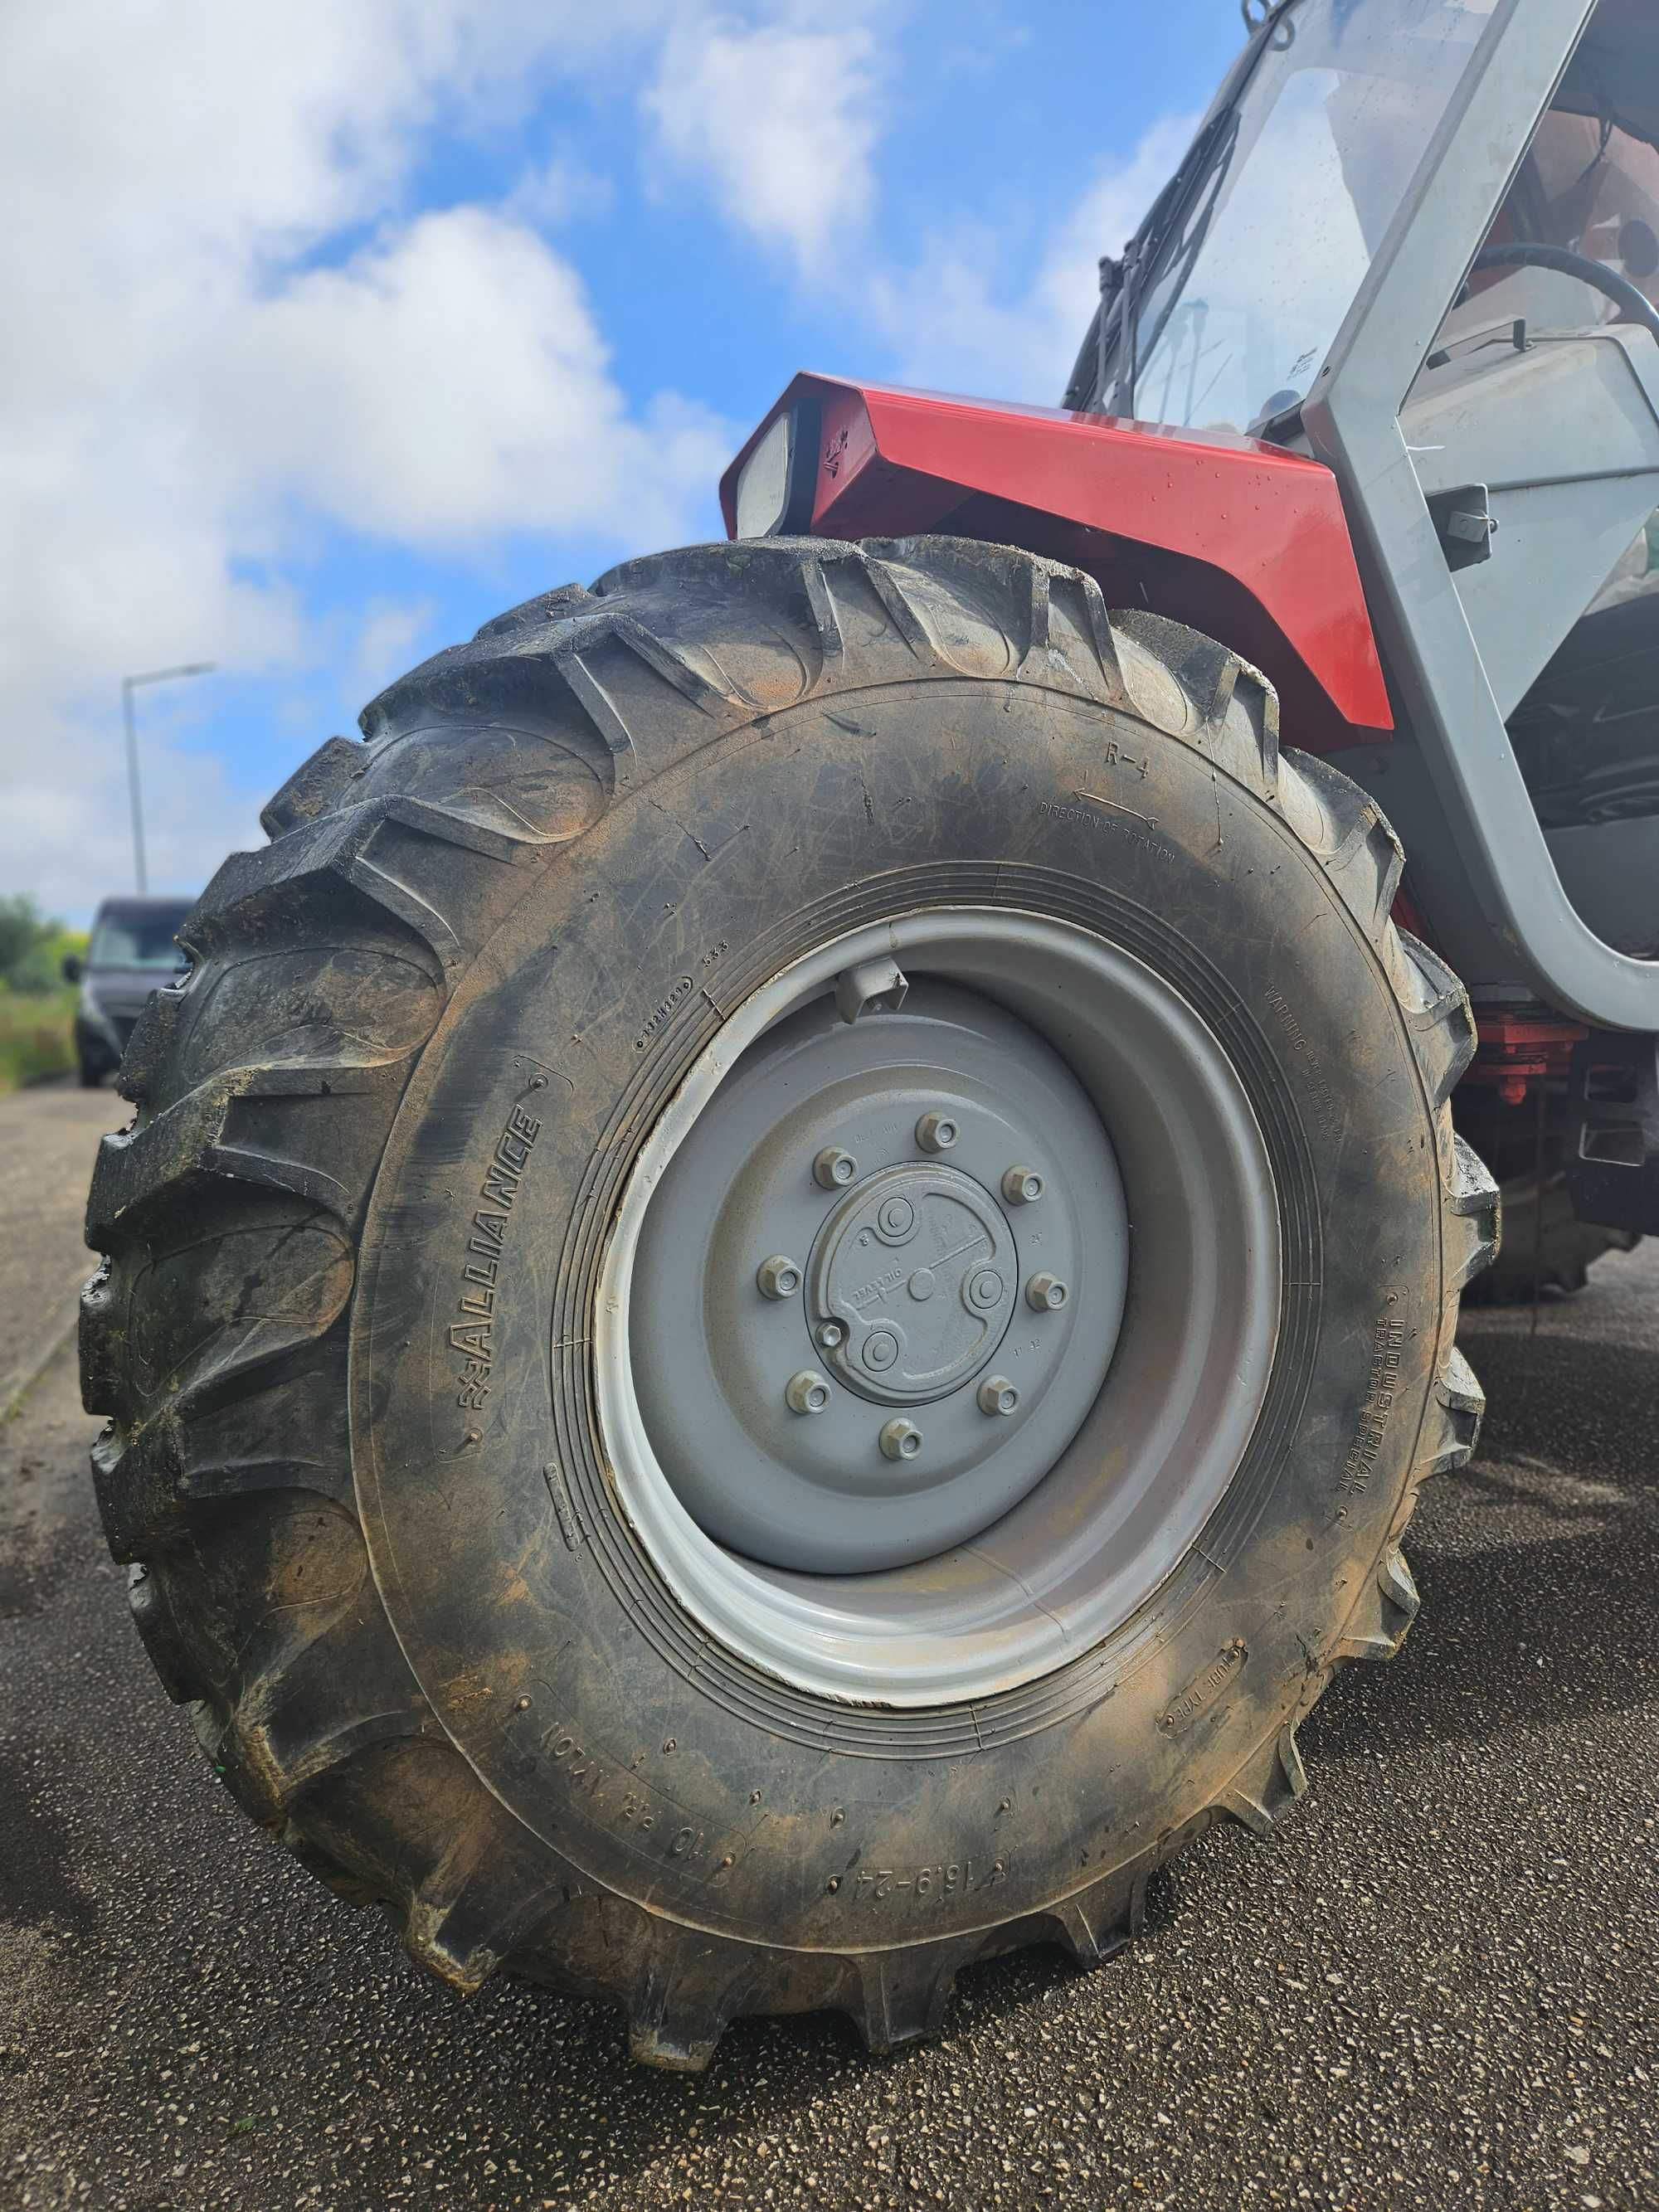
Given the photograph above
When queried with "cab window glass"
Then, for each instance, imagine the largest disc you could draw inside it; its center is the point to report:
(1244, 295)
(1588, 186)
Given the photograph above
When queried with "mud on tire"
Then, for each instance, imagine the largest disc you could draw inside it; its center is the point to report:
(380, 1558)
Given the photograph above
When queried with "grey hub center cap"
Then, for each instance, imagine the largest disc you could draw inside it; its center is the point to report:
(918, 1266)
(855, 1350)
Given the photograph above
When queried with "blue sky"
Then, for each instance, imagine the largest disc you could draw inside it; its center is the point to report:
(346, 327)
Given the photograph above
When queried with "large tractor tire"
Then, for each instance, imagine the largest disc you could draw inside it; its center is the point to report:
(783, 1281)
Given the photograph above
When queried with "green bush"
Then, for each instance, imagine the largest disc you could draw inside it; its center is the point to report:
(21, 928)
(36, 1035)
(37, 1010)
(32, 949)
(39, 972)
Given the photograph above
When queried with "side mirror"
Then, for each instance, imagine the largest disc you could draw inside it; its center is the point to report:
(74, 967)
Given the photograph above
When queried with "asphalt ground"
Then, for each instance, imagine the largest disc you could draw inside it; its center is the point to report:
(1439, 1985)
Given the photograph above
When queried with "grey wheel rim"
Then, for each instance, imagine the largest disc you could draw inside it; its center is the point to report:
(919, 1421)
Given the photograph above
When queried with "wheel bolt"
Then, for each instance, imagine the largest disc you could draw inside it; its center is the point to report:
(900, 1440)
(834, 1169)
(1046, 1293)
(1022, 1185)
(778, 1277)
(996, 1394)
(936, 1133)
(807, 1392)
(828, 1335)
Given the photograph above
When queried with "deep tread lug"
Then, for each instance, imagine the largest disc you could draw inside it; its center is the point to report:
(1366, 859)
(1097, 1923)
(1378, 1623)
(283, 1277)
(821, 610)
(316, 787)
(486, 1895)
(153, 1044)
(902, 1995)
(1243, 689)
(169, 1654)
(1232, 710)
(1473, 1216)
(193, 1138)
(1442, 1026)
(539, 613)
(1205, 669)
(188, 1457)
(887, 583)
(1265, 1789)
(693, 1988)
(1453, 1429)
(369, 846)
(602, 659)
(1081, 638)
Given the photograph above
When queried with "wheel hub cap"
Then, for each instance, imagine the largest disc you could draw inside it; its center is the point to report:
(832, 1249)
(918, 1270)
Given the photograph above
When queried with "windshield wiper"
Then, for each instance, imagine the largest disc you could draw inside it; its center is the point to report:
(1121, 282)
(1208, 157)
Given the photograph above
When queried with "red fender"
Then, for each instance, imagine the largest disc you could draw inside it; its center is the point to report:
(1243, 541)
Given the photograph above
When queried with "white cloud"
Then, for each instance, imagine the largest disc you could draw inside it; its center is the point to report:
(449, 385)
(184, 399)
(778, 122)
(551, 194)
(389, 632)
(953, 324)
(231, 330)
(67, 822)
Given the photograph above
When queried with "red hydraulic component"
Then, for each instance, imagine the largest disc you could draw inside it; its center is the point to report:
(1517, 1049)
(1241, 539)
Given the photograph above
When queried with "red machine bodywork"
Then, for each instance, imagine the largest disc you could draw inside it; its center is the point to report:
(1245, 542)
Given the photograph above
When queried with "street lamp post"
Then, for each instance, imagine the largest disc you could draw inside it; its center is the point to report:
(129, 686)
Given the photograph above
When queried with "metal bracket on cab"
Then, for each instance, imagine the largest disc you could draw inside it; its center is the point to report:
(1465, 525)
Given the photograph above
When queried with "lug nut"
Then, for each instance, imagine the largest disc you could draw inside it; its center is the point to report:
(936, 1133)
(996, 1394)
(807, 1392)
(828, 1335)
(834, 1169)
(1022, 1185)
(1046, 1293)
(900, 1440)
(778, 1277)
